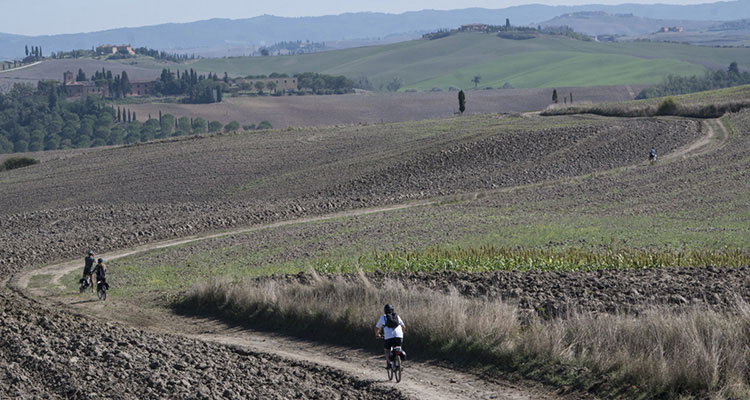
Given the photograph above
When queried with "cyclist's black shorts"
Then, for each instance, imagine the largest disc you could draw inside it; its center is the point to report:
(393, 342)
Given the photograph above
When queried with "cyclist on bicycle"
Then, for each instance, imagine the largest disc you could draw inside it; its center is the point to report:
(88, 268)
(101, 272)
(393, 331)
(652, 155)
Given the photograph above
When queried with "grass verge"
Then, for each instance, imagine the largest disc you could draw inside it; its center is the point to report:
(656, 354)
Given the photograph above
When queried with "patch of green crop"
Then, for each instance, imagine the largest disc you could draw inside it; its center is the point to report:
(490, 258)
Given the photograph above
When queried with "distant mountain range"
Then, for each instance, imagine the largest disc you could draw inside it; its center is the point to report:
(216, 34)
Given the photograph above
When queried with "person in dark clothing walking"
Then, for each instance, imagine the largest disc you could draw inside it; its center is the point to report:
(88, 268)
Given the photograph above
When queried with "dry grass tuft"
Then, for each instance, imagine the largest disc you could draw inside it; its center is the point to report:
(697, 352)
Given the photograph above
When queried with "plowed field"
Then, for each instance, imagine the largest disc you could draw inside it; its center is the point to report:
(513, 181)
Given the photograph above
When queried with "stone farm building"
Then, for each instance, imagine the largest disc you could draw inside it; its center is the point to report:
(85, 88)
(141, 88)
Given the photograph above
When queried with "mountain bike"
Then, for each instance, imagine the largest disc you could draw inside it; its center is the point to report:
(652, 159)
(85, 283)
(397, 355)
(101, 289)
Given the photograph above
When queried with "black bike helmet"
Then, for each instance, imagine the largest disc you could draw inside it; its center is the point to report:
(388, 309)
(101, 260)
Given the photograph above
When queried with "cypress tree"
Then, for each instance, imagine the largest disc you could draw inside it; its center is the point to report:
(554, 96)
(27, 50)
(118, 114)
(461, 101)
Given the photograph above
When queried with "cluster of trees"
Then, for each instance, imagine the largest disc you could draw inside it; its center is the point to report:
(439, 34)
(307, 81)
(159, 55)
(324, 84)
(674, 85)
(72, 54)
(119, 84)
(163, 55)
(295, 47)
(565, 99)
(33, 54)
(509, 31)
(200, 89)
(565, 30)
(34, 119)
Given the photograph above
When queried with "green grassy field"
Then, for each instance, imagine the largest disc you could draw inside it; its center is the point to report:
(454, 61)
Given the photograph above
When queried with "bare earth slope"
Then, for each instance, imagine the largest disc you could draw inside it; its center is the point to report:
(141, 194)
(130, 195)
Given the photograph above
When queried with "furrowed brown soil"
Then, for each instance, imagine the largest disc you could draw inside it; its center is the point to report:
(119, 197)
(372, 108)
(122, 197)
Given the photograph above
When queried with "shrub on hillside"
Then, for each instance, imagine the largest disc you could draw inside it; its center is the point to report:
(17, 162)
(232, 126)
(264, 125)
(215, 126)
(668, 106)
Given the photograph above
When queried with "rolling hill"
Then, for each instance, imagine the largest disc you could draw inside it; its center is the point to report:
(210, 35)
(601, 23)
(546, 61)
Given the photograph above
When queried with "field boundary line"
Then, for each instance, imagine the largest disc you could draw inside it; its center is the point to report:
(21, 67)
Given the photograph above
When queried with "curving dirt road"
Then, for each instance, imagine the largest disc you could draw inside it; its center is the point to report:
(422, 380)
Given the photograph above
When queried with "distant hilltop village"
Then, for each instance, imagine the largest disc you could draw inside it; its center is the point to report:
(670, 29)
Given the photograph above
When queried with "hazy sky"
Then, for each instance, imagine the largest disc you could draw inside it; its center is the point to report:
(42, 17)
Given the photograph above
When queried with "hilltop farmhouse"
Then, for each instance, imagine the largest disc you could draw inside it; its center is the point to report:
(85, 88)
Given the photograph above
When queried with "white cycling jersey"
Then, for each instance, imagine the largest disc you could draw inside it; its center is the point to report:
(390, 333)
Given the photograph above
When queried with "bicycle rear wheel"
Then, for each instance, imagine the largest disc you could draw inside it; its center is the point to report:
(102, 294)
(397, 368)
